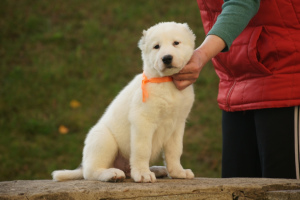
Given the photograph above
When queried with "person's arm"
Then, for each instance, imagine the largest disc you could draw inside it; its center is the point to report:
(235, 16)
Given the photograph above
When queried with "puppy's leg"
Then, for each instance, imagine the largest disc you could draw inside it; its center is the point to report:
(141, 149)
(172, 153)
(98, 156)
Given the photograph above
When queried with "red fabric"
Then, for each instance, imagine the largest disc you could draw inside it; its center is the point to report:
(262, 68)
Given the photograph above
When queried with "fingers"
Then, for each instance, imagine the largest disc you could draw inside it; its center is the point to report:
(187, 76)
(190, 73)
(181, 85)
(181, 76)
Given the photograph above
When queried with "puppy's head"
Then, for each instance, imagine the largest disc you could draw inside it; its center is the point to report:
(167, 47)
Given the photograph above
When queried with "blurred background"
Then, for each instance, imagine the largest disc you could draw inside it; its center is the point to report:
(62, 63)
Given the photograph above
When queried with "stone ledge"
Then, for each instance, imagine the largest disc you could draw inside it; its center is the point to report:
(198, 188)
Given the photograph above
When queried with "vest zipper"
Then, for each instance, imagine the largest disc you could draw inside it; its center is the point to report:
(228, 95)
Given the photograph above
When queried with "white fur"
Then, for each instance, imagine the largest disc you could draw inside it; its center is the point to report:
(137, 131)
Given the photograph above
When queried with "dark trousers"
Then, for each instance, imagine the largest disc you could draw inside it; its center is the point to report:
(260, 143)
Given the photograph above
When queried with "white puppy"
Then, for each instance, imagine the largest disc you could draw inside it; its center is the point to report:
(139, 124)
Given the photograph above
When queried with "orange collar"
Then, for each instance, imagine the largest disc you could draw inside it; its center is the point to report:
(153, 80)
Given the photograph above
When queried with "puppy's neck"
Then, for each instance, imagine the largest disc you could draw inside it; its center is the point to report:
(151, 73)
(153, 80)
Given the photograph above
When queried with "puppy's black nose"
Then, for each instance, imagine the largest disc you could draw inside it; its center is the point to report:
(167, 59)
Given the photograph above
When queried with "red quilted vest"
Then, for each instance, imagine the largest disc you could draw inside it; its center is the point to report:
(262, 68)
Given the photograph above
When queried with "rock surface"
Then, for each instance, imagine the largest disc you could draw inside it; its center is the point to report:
(198, 188)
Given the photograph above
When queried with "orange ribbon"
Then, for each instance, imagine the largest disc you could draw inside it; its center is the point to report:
(153, 80)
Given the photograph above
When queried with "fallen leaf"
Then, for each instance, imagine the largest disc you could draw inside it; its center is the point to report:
(75, 104)
(63, 130)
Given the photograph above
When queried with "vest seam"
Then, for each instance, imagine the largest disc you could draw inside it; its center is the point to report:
(230, 91)
(254, 102)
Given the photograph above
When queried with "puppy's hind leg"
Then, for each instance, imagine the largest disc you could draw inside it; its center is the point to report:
(99, 155)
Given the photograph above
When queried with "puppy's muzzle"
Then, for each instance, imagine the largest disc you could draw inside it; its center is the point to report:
(167, 60)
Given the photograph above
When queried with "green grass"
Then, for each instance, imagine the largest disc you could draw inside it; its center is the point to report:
(53, 52)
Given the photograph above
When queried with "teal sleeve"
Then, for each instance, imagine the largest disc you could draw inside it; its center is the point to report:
(233, 19)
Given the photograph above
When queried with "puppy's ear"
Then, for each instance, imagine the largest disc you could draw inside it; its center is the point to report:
(189, 30)
(141, 43)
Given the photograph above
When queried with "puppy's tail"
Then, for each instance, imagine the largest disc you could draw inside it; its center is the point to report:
(64, 175)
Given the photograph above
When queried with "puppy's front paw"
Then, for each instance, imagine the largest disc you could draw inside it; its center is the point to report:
(184, 173)
(143, 176)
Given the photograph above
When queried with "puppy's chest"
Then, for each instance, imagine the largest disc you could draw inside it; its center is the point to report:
(172, 107)
(169, 105)
(168, 93)
(171, 99)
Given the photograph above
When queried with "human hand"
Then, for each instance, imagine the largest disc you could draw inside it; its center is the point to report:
(189, 74)
(209, 48)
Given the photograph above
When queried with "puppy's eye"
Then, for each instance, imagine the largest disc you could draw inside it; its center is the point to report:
(156, 46)
(176, 43)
